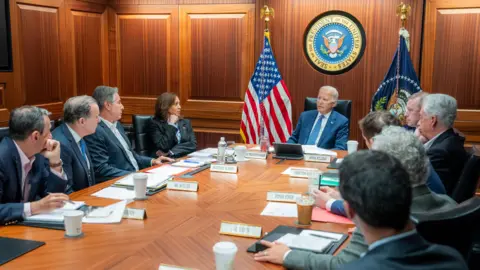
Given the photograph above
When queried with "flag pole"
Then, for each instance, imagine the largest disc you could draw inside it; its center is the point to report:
(265, 14)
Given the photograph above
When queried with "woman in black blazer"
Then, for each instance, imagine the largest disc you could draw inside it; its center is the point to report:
(171, 134)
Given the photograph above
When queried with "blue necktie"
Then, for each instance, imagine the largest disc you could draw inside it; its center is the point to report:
(315, 130)
(83, 148)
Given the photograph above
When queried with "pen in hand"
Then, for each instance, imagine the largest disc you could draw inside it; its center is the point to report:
(67, 201)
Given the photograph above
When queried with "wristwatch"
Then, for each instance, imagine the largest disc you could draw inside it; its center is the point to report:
(58, 164)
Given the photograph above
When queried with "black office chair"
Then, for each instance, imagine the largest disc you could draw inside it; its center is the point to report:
(143, 144)
(457, 227)
(344, 107)
(3, 132)
(468, 182)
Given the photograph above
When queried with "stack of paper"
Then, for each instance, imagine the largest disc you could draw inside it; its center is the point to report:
(114, 214)
(168, 170)
(115, 193)
(210, 152)
(280, 210)
(57, 214)
(189, 163)
(308, 242)
(155, 181)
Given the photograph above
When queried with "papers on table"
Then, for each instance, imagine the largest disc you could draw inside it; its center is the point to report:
(339, 160)
(108, 214)
(323, 215)
(306, 242)
(189, 163)
(57, 214)
(257, 148)
(115, 193)
(168, 170)
(210, 152)
(154, 181)
(312, 149)
(280, 210)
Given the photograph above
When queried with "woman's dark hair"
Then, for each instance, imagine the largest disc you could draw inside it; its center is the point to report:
(164, 102)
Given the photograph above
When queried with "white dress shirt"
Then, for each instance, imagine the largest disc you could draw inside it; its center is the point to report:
(27, 164)
(322, 125)
(77, 139)
(428, 144)
(113, 128)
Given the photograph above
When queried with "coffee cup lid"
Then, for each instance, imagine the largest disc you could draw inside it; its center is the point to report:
(225, 247)
(140, 176)
(73, 213)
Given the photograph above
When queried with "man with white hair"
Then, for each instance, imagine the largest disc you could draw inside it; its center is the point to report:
(404, 146)
(444, 147)
(323, 127)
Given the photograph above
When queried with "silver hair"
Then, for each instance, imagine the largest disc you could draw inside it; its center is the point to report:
(25, 120)
(104, 93)
(407, 148)
(332, 90)
(444, 107)
(77, 107)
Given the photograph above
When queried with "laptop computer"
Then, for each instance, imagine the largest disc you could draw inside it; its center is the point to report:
(288, 151)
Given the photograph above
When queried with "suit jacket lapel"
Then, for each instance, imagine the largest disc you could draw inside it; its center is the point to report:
(114, 138)
(18, 167)
(122, 133)
(74, 146)
(331, 119)
(183, 129)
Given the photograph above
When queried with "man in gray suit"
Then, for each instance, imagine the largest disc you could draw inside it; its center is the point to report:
(410, 151)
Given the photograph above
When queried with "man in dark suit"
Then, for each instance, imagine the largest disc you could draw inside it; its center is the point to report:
(31, 175)
(110, 149)
(323, 127)
(444, 147)
(80, 117)
(369, 179)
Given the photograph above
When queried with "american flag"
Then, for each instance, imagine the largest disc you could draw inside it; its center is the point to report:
(267, 102)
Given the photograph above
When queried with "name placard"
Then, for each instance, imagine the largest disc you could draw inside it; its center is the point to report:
(303, 172)
(135, 213)
(223, 168)
(317, 158)
(173, 267)
(240, 229)
(185, 186)
(256, 155)
(282, 196)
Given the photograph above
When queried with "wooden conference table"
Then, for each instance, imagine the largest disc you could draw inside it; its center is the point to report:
(181, 227)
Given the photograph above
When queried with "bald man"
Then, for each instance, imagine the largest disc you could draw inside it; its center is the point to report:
(322, 127)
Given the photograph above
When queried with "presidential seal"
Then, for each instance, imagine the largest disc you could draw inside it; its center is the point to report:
(334, 42)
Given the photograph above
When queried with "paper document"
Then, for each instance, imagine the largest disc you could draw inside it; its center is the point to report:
(280, 210)
(323, 215)
(57, 214)
(155, 180)
(305, 242)
(328, 235)
(312, 149)
(210, 152)
(115, 193)
(339, 160)
(168, 170)
(110, 214)
(289, 170)
(189, 163)
(257, 148)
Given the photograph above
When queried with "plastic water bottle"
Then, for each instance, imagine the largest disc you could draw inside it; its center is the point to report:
(264, 144)
(222, 146)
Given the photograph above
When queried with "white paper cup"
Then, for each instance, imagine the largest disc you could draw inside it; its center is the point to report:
(224, 255)
(352, 146)
(140, 185)
(240, 152)
(73, 223)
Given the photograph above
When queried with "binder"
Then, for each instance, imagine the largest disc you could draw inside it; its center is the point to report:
(11, 248)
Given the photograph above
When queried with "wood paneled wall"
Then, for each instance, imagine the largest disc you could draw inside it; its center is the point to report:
(205, 50)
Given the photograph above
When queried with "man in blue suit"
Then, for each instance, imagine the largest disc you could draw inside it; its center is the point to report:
(31, 175)
(80, 116)
(372, 178)
(323, 127)
(110, 149)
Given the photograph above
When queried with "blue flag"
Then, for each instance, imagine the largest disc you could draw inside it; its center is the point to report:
(400, 82)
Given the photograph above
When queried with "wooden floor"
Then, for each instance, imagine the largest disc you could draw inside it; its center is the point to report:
(181, 227)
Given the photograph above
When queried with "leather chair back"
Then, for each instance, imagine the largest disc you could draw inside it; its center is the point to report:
(468, 182)
(143, 144)
(344, 107)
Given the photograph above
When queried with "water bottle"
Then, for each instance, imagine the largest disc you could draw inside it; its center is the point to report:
(222, 146)
(264, 143)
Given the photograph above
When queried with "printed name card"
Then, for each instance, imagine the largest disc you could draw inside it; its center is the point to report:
(223, 168)
(317, 158)
(240, 229)
(134, 213)
(282, 196)
(185, 186)
(304, 172)
(256, 155)
(173, 267)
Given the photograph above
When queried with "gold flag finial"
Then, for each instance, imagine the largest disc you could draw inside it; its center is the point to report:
(403, 10)
(266, 12)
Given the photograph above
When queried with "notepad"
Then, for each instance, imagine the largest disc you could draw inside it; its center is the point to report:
(189, 163)
(305, 241)
(57, 214)
(155, 181)
(168, 170)
(312, 149)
